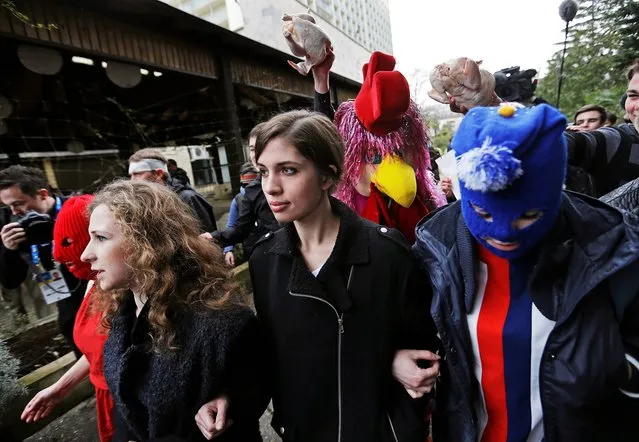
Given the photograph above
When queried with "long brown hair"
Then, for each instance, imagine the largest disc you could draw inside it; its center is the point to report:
(177, 271)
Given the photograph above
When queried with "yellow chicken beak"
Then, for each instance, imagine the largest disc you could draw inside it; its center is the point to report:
(397, 180)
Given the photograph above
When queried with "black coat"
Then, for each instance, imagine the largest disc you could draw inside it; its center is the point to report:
(254, 220)
(586, 281)
(157, 396)
(202, 210)
(333, 338)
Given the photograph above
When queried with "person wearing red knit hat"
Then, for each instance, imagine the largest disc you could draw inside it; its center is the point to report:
(71, 236)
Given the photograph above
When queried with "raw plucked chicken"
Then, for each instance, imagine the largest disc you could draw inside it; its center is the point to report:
(462, 81)
(306, 40)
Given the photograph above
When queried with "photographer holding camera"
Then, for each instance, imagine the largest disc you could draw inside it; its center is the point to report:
(27, 244)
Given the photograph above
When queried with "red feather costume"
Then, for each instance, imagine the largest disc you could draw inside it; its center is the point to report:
(386, 163)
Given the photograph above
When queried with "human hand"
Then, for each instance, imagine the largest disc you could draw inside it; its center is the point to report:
(207, 235)
(42, 403)
(446, 185)
(12, 236)
(211, 417)
(575, 128)
(321, 72)
(454, 107)
(230, 259)
(417, 381)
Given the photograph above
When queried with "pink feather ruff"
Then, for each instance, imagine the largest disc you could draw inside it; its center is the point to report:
(411, 138)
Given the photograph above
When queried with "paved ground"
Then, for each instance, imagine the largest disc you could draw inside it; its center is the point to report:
(221, 212)
(79, 425)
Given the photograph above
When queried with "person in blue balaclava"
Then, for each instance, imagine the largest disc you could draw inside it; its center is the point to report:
(535, 292)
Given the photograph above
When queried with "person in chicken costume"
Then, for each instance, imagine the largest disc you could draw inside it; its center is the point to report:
(386, 163)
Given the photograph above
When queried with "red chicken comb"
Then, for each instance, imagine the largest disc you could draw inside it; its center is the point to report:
(384, 97)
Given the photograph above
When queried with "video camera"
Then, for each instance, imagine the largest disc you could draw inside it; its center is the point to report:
(511, 84)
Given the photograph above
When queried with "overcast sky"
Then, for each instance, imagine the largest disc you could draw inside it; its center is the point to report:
(502, 33)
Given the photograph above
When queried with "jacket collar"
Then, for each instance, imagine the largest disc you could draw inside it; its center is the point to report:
(351, 246)
(331, 284)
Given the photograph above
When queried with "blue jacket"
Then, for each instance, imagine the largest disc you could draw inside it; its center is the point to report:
(586, 277)
(234, 213)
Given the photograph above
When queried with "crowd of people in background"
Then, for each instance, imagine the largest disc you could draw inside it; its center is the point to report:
(511, 314)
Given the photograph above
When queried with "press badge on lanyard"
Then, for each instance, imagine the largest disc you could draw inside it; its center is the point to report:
(51, 281)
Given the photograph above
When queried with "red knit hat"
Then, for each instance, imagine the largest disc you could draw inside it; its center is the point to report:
(71, 235)
(384, 97)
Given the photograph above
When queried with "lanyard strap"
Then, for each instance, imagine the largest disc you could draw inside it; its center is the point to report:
(35, 253)
(58, 206)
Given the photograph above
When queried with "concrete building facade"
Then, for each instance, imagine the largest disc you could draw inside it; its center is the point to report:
(356, 27)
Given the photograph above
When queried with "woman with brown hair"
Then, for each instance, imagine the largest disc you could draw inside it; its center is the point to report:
(337, 297)
(179, 333)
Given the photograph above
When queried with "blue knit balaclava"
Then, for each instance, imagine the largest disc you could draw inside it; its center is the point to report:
(510, 161)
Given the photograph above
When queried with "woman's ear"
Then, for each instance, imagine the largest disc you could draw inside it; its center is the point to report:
(327, 182)
(329, 179)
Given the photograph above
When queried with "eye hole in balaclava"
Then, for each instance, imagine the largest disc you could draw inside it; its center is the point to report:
(67, 242)
(481, 213)
(526, 220)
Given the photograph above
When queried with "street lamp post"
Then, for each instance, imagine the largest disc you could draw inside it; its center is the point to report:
(567, 12)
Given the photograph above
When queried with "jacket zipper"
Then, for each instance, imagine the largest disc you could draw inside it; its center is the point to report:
(390, 421)
(340, 332)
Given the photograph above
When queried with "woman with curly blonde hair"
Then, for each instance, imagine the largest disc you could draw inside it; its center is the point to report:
(180, 333)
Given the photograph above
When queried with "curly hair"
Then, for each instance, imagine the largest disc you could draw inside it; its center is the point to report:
(177, 271)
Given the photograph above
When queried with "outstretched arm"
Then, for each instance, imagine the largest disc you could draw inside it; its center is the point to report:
(321, 73)
(244, 223)
(45, 401)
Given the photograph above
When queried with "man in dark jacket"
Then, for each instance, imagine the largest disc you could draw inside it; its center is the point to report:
(177, 173)
(255, 217)
(535, 294)
(610, 154)
(24, 190)
(151, 165)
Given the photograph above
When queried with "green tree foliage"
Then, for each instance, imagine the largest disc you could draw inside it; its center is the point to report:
(593, 70)
(627, 20)
(441, 140)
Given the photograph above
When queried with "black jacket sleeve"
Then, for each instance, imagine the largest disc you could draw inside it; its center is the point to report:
(249, 375)
(201, 209)
(322, 104)
(13, 269)
(590, 150)
(417, 328)
(245, 221)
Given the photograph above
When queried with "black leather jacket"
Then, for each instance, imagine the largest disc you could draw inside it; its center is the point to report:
(586, 278)
(333, 337)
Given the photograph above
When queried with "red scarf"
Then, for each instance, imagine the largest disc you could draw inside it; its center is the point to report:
(382, 210)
